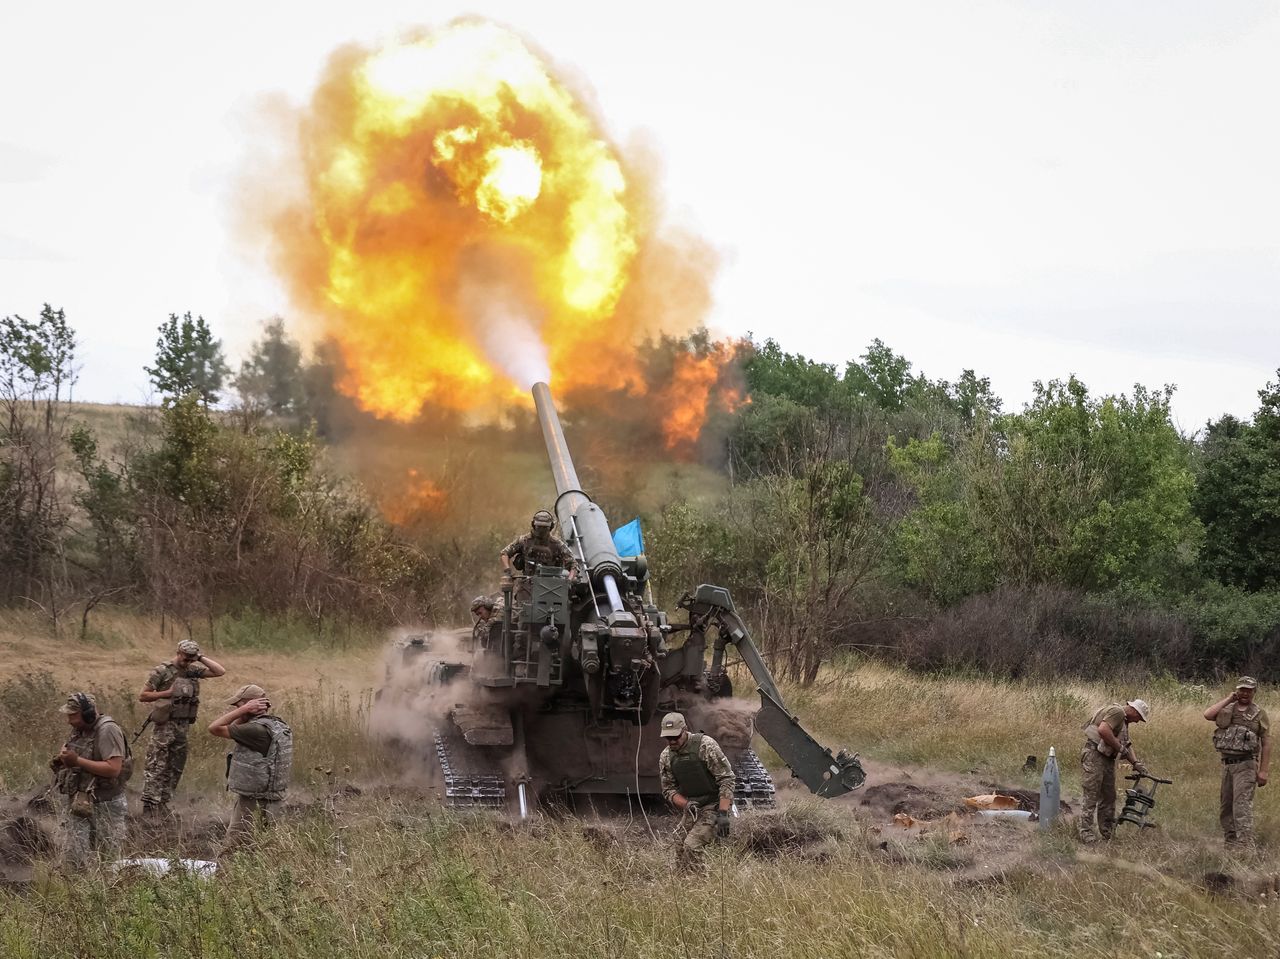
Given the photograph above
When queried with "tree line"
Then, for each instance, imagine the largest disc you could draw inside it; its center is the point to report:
(873, 508)
(196, 511)
(864, 507)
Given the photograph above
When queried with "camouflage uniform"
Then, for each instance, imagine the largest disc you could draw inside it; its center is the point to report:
(104, 829)
(1098, 774)
(167, 751)
(1238, 738)
(480, 634)
(701, 772)
(482, 625)
(524, 552)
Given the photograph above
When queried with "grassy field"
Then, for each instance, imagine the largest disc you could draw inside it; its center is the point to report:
(387, 872)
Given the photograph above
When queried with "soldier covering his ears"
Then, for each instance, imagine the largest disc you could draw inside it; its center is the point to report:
(174, 690)
(260, 765)
(1242, 738)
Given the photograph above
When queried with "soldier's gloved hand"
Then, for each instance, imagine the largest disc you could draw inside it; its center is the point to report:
(722, 825)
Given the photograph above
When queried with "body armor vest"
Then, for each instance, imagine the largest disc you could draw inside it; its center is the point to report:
(256, 776)
(693, 778)
(85, 744)
(538, 553)
(1238, 734)
(185, 702)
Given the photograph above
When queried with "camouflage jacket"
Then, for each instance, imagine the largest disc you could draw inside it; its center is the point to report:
(553, 552)
(713, 758)
(179, 707)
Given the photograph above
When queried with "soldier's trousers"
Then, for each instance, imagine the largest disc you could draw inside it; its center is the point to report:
(245, 817)
(1098, 777)
(166, 758)
(693, 835)
(1235, 811)
(101, 833)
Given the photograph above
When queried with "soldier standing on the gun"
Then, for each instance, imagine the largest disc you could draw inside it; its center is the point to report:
(1106, 739)
(698, 780)
(1243, 740)
(538, 547)
(259, 767)
(175, 689)
(90, 772)
(482, 610)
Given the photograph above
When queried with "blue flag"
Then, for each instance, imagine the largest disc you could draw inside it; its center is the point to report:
(628, 539)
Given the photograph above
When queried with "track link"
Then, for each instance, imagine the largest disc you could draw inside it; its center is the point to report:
(754, 788)
(466, 789)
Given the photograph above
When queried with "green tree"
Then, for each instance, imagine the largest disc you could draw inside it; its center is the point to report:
(941, 546)
(1076, 491)
(883, 378)
(37, 372)
(1237, 496)
(188, 360)
(271, 379)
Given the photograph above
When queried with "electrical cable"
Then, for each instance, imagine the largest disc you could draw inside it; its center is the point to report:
(639, 797)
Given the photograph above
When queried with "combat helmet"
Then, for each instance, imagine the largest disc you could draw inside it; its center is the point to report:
(542, 521)
(481, 602)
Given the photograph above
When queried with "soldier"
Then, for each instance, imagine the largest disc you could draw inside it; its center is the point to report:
(91, 771)
(538, 546)
(541, 547)
(697, 779)
(1107, 737)
(1243, 740)
(482, 610)
(259, 767)
(175, 687)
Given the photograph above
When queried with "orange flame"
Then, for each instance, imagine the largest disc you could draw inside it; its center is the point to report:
(467, 229)
(419, 499)
(695, 380)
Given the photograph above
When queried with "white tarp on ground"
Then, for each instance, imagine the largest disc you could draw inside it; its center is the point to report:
(162, 867)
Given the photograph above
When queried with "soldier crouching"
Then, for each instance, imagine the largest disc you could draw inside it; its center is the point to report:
(260, 765)
(697, 779)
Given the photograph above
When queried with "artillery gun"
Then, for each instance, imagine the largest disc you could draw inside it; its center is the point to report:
(561, 696)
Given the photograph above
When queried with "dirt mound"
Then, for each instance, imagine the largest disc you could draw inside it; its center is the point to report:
(24, 839)
(887, 800)
(797, 830)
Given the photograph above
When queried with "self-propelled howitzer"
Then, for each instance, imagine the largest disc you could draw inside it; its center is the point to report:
(574, 671)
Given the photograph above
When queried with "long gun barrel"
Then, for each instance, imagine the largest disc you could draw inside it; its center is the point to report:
(582, 521)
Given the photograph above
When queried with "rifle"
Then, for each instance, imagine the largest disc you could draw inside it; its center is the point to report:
(143, 729)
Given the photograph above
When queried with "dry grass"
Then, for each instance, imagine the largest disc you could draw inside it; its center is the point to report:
(390, 880)
(381, 875)
(987, 728)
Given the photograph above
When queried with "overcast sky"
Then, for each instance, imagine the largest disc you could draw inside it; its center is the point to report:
(1027, 189)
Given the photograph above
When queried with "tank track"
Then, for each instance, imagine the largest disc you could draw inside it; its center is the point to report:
(754, 789)
(464, 789)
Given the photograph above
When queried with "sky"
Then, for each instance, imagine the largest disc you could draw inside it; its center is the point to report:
(1028, 190)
